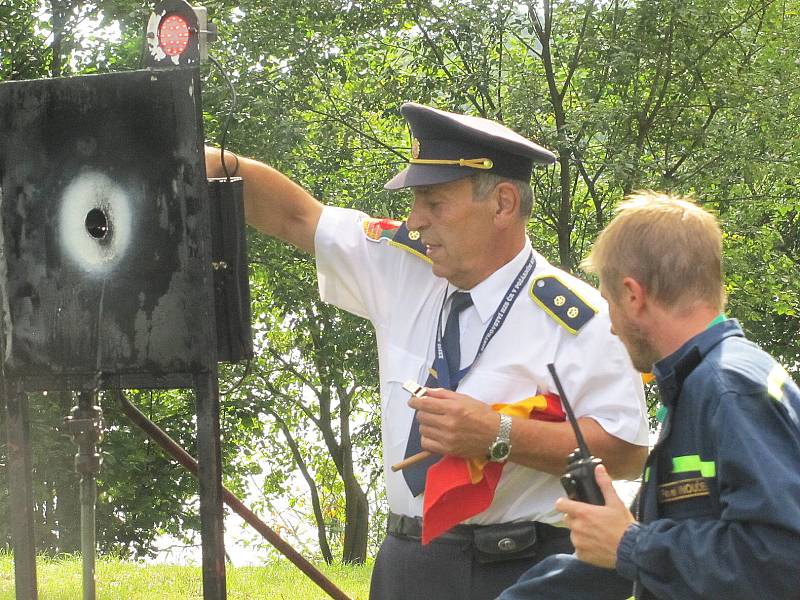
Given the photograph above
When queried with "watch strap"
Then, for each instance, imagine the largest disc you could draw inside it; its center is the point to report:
(502, 442)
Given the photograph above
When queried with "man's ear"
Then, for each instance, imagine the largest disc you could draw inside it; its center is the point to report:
(633, 295)
(506, 202)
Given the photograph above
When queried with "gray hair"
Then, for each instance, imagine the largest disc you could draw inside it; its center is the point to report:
(483, 183)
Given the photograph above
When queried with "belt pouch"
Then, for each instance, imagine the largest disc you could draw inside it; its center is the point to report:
(509, 541)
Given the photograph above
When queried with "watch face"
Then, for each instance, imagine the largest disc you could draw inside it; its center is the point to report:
(500, 450)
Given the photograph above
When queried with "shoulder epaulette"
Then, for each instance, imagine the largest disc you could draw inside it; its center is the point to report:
(566, 307)
(397, 233)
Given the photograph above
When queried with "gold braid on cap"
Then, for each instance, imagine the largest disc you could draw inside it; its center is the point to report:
(473, 163)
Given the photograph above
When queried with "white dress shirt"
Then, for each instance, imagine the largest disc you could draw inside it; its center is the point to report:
(398, 292)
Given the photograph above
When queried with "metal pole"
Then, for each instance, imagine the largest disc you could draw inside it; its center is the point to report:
(172, 448)
(85, 424)
(88, 545)
(212, 531)
(20, 491)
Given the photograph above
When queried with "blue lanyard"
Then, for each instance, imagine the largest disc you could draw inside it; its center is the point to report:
(449, 380)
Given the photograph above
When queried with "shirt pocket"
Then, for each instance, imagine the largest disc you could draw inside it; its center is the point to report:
(399, 366)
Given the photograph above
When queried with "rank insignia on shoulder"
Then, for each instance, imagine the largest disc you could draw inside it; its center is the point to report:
(397, 233)
(566, 307)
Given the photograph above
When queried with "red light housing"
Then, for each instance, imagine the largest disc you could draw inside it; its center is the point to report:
(173, 35)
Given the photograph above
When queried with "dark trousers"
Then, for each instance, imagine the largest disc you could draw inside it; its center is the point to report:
(451, 568)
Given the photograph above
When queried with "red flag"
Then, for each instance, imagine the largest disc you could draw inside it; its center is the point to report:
(457, 488)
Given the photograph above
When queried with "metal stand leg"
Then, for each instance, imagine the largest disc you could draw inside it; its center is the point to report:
(20, 491)
(210, 479)
(85, 424)
(88, 542)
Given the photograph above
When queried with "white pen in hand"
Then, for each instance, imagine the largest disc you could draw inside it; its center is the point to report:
(416, 390)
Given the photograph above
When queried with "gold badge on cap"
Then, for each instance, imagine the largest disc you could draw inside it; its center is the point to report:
(414, 148)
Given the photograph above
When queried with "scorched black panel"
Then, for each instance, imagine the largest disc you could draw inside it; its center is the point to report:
(105, 248)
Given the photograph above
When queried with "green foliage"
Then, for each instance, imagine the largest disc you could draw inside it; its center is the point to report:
(692, 96)
(142, 494)
(668, 95)
(23, 54)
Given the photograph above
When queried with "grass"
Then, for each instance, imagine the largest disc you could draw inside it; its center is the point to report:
(60, 579)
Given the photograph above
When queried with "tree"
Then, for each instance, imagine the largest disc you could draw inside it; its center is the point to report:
(142, 494)
(22, 51)
(649, 94)
(694, 96)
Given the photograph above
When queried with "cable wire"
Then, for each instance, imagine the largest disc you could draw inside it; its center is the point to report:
(239, 383)
(224, 133)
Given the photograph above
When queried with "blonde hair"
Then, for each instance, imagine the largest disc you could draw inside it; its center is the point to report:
(668, 244)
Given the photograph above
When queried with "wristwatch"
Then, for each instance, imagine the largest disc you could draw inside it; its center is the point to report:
(501, 447)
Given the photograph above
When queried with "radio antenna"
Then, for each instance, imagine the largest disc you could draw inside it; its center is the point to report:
(584, 449)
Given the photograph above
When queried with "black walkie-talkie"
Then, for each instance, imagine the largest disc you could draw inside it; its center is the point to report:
(578, 481)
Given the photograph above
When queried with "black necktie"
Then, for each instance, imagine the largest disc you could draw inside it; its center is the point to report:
(451, 347)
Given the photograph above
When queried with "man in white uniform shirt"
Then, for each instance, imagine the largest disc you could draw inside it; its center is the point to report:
(466, 233)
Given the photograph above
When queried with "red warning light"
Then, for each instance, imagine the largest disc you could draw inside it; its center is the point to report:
(173, 35)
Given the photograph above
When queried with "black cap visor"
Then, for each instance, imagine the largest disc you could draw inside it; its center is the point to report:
(419, 175)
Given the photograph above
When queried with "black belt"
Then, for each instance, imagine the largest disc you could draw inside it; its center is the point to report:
(502, 541)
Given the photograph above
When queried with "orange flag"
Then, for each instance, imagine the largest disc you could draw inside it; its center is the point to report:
(458, 488)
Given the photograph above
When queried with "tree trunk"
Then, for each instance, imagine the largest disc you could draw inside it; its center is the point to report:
(564, 214)
(356, 526)
(58, 21)
(316, 505)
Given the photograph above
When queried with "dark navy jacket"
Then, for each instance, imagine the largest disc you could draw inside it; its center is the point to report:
(719, 508)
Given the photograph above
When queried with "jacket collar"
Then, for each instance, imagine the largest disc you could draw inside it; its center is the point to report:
(671, 371)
